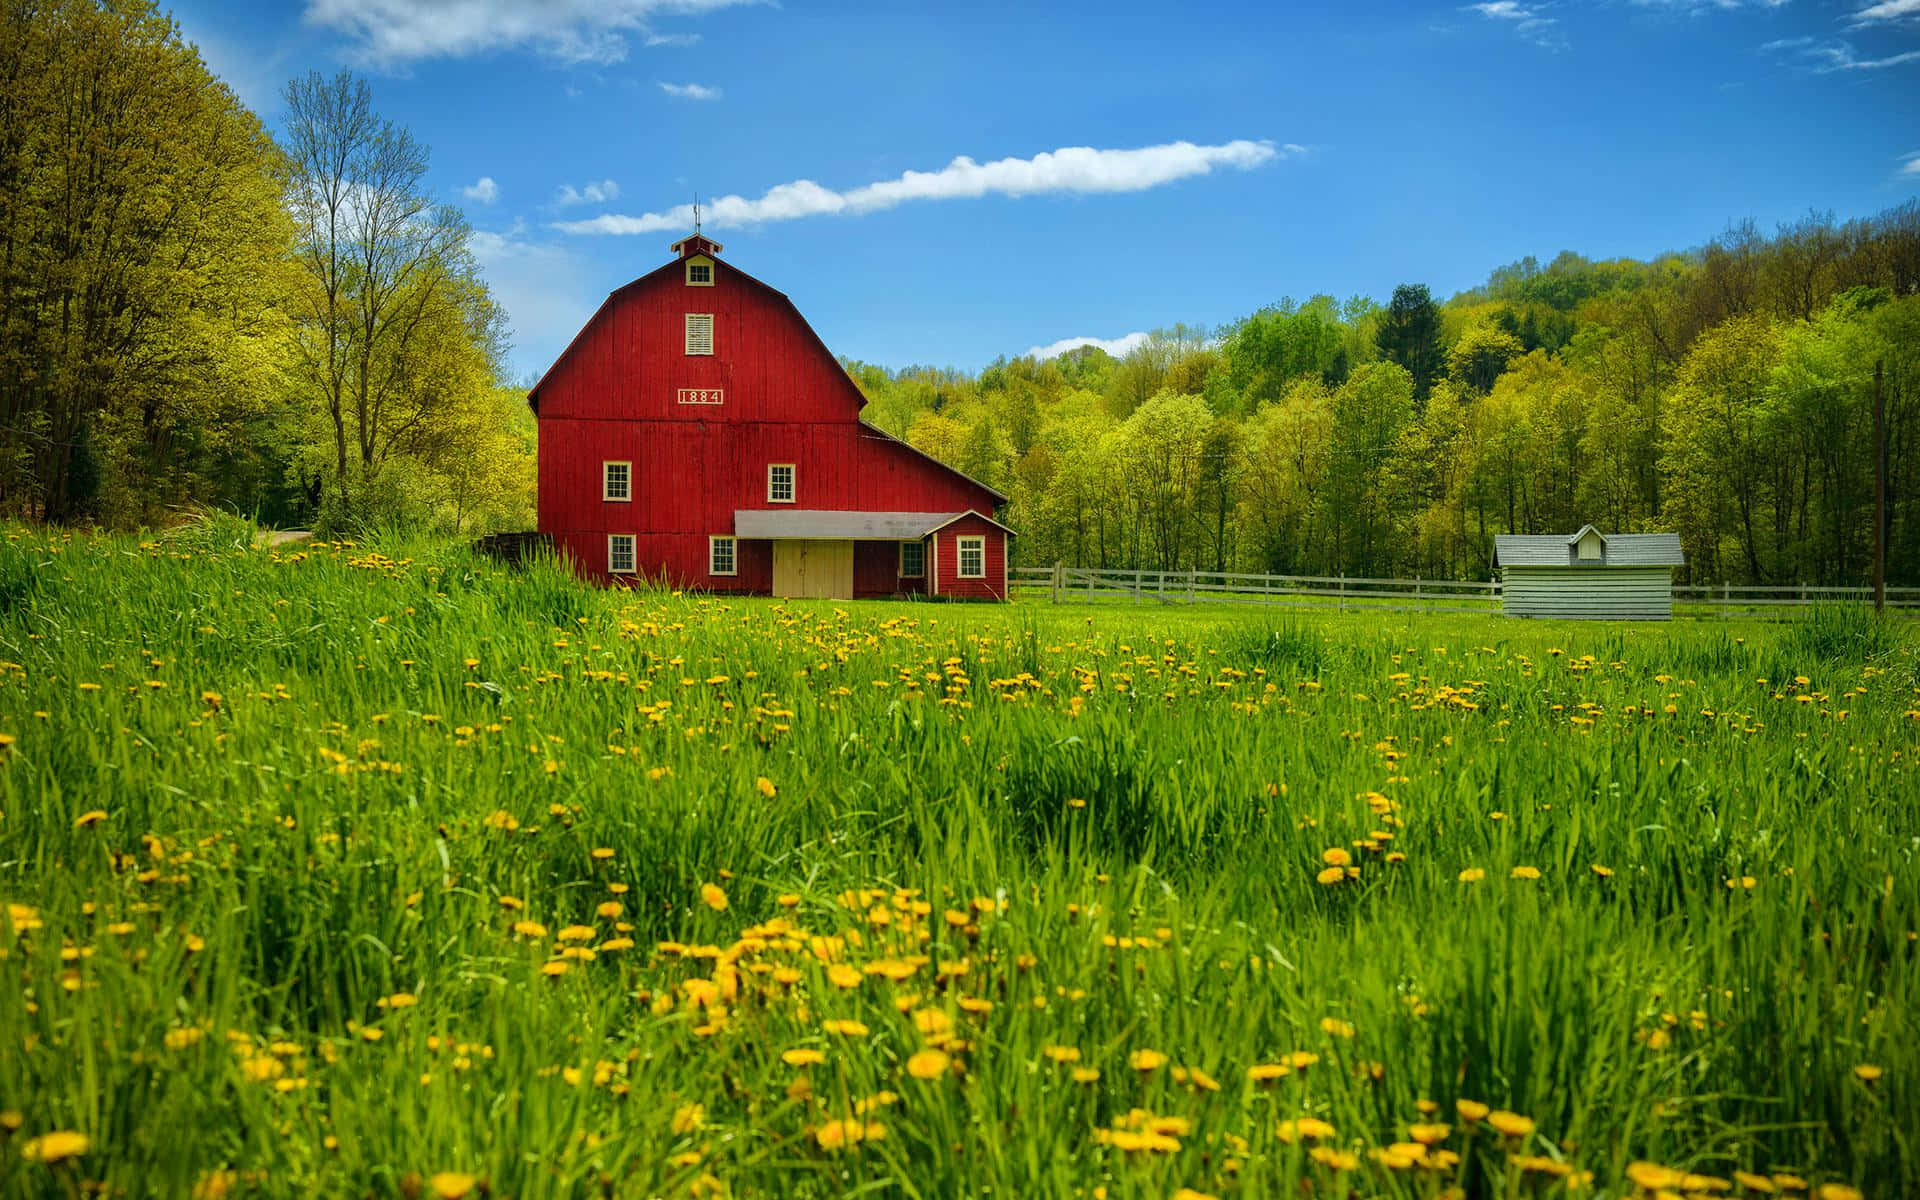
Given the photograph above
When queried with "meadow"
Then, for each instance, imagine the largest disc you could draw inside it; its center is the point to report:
(383, 870)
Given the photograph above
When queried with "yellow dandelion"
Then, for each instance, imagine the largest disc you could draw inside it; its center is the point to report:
(713, 897)
(765, 786)
(1510, 1124)
(57, 1146)
(90, 818)
(928, 1064)
(1867, 1072)
(1146, 1060)
(1472, 875)
(804, 1057)
(451, 1185)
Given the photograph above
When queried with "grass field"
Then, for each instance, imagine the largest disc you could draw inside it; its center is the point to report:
(335, 871)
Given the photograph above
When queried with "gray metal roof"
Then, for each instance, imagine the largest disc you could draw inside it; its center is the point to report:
(1556, 550)
(779, 523)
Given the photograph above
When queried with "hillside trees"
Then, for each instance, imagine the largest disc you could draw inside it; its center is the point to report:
(139, 211)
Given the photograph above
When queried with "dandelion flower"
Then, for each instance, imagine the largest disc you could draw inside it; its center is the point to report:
(1329, 876)
(1336, 856)
(765, 786)
(1526, 873)
(713, 897)
(89, 818)
(928, 1064)
(56, 1147)
(1867, 1072)
(451, 1185)
(804, 1057)
(1146, 1060)
(1473, 875)
(1470, 1110)
(1511, 1124)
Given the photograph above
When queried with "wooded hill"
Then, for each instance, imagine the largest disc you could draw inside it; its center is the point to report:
(1724, 393)
(195, 315)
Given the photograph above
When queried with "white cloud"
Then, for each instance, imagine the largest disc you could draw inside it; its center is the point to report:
(691, 91)
(1074, 169)
(1827, 57)
(1118, 347)
(1910, 163)
(673, 39)
(482, 191)
(396, 32)
(1887, 10)
(1528, 21)
(593, 193)
(1696, 6)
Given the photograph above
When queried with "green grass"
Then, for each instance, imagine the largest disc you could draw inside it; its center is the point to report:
(314, 801)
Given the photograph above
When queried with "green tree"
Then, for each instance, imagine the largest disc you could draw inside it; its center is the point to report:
(1409, 334)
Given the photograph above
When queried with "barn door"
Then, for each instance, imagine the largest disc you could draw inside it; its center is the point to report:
(821, 570)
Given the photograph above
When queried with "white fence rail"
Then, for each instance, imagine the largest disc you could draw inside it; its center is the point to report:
(1063, 583)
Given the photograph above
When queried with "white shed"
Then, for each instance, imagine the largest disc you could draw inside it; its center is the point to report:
(1589, 575)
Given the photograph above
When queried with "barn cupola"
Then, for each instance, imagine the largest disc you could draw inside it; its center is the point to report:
(694, 244)
(696, 254)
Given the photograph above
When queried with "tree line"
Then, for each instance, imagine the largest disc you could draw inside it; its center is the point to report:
(193, 314)
(1724, 393)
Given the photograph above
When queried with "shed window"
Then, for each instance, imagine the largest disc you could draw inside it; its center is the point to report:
(699, 273)
(722, 558)
(913, 560)
(780, 483)
(616, 480)
(973, 557)
(1590, 548)
(620, 553)
(699, 333)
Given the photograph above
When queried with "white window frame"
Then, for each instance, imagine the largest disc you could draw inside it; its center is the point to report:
(699, 265)
(793, 484)
(960, 546)
(633, 554)
(922, 572)
(606, 481)
(733, 554)
(694, 321)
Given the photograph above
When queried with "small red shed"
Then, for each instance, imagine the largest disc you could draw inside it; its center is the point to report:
(697, 432)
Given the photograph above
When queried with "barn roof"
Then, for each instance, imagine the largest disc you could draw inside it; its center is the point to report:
(785, 523)
(1557, 550)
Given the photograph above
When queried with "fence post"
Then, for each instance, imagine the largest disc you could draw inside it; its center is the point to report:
(1726, 597)
(1416, 589)
(1343, 591)
(1056, 581)
(1137, 576)
(1189, 585)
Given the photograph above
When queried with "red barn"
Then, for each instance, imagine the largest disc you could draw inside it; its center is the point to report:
(697, 432)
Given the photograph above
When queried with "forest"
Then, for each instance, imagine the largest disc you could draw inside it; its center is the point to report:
(197, 315)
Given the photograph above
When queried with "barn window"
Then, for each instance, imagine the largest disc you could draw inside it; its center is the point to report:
(973, 557)
(722, 556)
(780, 483)
(1590, 548)
(913, 560)
(699, 333)
(699, 273)
(620, 553)
(616, 480)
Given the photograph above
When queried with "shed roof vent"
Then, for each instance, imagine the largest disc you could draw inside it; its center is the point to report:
(694, 244)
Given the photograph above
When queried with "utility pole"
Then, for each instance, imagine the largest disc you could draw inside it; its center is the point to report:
(1879, 493)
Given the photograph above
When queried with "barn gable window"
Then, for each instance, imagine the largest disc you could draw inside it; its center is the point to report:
(913, 560)
(780, 483)
(1591, 548)
(973, 557)
(616, 480)
(620, 554)
(699, 333)
(722, 556)
(699, 272)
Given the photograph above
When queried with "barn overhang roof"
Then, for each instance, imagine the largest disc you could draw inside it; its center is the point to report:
(1557, 550)
(781, 524)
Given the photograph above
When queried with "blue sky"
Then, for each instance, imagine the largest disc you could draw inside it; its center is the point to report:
(1131, 164)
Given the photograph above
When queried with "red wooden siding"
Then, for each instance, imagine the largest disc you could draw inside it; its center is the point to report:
(946, 560)
(613, 395)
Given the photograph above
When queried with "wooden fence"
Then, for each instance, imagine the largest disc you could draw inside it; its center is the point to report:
(1063, 583)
